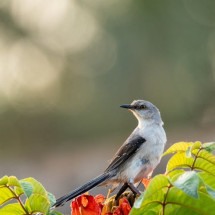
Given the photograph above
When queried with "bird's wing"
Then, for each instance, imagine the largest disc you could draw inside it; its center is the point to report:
(125, 151)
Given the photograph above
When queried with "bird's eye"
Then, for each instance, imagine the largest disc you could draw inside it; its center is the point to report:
(143, 107)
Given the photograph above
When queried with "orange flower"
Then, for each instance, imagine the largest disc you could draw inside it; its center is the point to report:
(100, 199)
(87, 205)
(123, 208)
(75, 208)
(146, 182)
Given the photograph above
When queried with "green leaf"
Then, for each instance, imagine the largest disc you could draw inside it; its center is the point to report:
(51, 198)
(179, 210)
(189, 183)
(188, 152)
(150, 201)
(178, 147)
(19, 191)
(196, 145)
(37, 203)
(5, 195)
(13, 181)
(209, 146)
(152, 208)
(37, 186)
(26, 187)
(12, 209)
(203, 165)
(179, 161)
(38, 200)
(207, 179)
(170, 209)
(207, 182)
(204, 155)
(156, 184)
(3, 180)
(173, 175)
(202, 205)
(180, 191)
(138, 202)
(210, 191)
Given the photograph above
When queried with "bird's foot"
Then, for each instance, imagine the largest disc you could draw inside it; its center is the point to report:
(134, 190)
(122, 189)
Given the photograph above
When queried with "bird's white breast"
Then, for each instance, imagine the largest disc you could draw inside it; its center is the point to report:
(148, 156)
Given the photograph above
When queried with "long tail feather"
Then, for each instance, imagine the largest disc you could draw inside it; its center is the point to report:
(80, 190)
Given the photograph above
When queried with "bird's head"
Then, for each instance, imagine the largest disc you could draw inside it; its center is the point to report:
(144, 111)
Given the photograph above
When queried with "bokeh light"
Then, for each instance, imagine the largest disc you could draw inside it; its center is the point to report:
(66, 66)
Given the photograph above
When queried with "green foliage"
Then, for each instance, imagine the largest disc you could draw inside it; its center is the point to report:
(188, 185)
(24, 197)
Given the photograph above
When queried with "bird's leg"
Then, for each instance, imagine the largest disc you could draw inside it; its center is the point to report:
(122, 189)
(134, 189)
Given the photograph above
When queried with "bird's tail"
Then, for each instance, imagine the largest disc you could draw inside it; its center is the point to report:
(84, 188)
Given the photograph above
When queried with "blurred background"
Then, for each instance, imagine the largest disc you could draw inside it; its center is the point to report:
(66, 66)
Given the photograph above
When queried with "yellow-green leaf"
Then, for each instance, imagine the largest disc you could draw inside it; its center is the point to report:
(13, 181)
(204, 155)
(5, 195)
(209, 146)
(196, 145)
(37, 203)
(18, 190)
(3, 180)
(51, 198)
(205, 166)
(179, 160)
(173, 175)
(150, 201)
(178, 147)
(189, 183)
(27, 188)
(37, 186)
(156, 184)
(207, 179)
(12, 209)
(152, 208)
(202, 205)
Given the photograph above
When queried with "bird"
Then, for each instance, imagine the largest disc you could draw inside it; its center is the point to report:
(135, 159)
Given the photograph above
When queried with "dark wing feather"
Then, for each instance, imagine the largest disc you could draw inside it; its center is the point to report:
(125, 151)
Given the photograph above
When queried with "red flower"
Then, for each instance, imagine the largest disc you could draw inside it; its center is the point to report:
(87, 205)
(100, 199)
(75, 208)
(123, 208)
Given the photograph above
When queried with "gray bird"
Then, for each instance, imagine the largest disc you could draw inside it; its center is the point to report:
(136, 158)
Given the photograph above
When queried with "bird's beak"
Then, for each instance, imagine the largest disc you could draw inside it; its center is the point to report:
(126, 106)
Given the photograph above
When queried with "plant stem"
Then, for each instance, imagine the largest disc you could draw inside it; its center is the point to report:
(18, 199)
(196, 156)
(165, 197)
